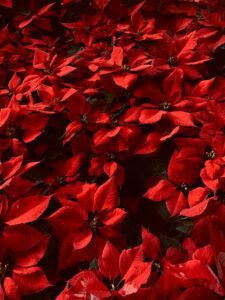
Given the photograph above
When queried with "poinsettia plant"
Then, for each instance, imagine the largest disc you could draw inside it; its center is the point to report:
(112, 152)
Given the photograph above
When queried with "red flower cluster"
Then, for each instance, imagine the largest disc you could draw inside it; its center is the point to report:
(112, 153)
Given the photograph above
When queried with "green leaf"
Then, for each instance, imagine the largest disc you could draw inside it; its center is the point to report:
(74, 49)
(163, 211)
(93, 264)
(109, 97)
(169, 242)
(184, 228)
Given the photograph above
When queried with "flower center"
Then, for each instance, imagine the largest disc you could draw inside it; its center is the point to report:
(3, 269)
(84, 119)
(60, 180)
(157, 267)
(46, 71)
(111, 156)
(184, 187)
(172, 61)
(87, 28)
(10, 131)
(199, 15)
(165, 105)
(94, 223)
(211, 154)
(105, 52)
(170, 33)
(125, 67)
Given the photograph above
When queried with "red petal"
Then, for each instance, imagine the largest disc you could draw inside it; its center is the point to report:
(213, 169)
(4, 115)
(18, 187)
(31, 132)
(195, 269)
(73, 128)
(82, 237)
(14, 82)
(26, 23)
(33, 255)
(65, 71)
(113, 217)
(86, 196)
(67, 220)
(102, 3)
(132, 114)
(181, 118)
(176, 203)
(151, 244)
(10, 167)
(68, 94)
(109, 261)
(202, 88)
(197, 195)
(161, 191)
(133, 270)
(195, 210)
(27, 209)
(149, 143)
(125, 80)
(204, 254)
(149, 90)
(151, 116)
(6, 3)
(184, 166)
(197, 293)
(117, 56)
(30, 280)
(172, 86)
(188, 42)
(87, 282)
(40, 59)
(11, 289)
(16, 237)
(106, 196)
(73, 164)
(45, 9)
